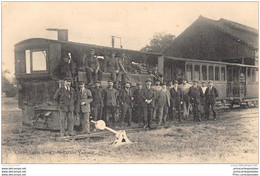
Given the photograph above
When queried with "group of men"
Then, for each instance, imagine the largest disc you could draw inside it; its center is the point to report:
(159, 102)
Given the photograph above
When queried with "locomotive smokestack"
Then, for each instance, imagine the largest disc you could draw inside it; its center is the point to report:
(62, 34)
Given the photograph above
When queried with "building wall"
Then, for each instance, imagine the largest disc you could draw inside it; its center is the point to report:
(204, 41)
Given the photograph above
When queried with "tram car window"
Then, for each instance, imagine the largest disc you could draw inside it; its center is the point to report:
(211, 73)
(217, 73)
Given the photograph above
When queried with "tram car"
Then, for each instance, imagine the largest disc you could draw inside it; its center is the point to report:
(37, 61)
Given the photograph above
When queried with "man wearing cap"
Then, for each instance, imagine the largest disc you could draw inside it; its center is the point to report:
(112, 66)
(147, 97)
(126, 101)
(84, 98)
(163, 104)
(137, 103)
(195, 93)
(110, 101)
(65, 96)
(97, 104)
(210, 99)
(92, 67)
(176, 100)
(186, 100)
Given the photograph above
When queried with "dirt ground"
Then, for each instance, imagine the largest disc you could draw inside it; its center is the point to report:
(233, 138)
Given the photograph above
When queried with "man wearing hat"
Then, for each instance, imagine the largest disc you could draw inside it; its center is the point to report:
(148, 97)
(65, 96)
(186, 100)
(137, 103)
(110, 101)
(195, 93)
(92, 67)
(97, 104)
(84, 98)
(176, 100)
(163, 104)
(126, 102)
(210, 99)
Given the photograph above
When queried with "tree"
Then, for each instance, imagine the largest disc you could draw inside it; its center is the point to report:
(7, 87)
(159, 43)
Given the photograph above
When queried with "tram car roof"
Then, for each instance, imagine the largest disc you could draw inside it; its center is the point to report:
(98, 48)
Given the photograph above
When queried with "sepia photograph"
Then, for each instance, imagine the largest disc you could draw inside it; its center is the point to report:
(129, 83)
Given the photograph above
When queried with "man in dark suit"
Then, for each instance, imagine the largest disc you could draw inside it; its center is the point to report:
(97, 104)
(195, 93)
(137, 103)
(163, 103)
(176, 100)
(210, 99)
(110, 101)
(125, 99)
(84, 98)
(65, 96)
(148, 97)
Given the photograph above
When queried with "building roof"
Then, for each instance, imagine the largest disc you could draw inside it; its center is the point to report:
(238, 31)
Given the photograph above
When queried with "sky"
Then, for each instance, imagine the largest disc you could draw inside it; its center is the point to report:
(96, 22)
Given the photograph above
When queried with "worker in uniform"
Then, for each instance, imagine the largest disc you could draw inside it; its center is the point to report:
(84, 98)
(148, 97)
(66, 98)
(186, 99)
(112, 67)
(123, 75)
(92, 66)
(126, 102)
(176, 100)
(97, 104)
(137, 103)
(195, 93)
(110, 102)
(210, 99)
(164, 104)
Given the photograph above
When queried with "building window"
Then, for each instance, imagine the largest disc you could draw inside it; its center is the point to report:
(39, 61)
(204, 72)
(196, 72)
(223, 74)
(253, 75)
(249, 75)
(216, 73)
(211, 74)
(189, 72)
(28, 61)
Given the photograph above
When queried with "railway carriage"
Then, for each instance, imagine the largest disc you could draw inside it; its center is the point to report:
(37, 59)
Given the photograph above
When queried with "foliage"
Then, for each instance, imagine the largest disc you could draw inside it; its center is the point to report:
(159, 43)
(7, 87)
